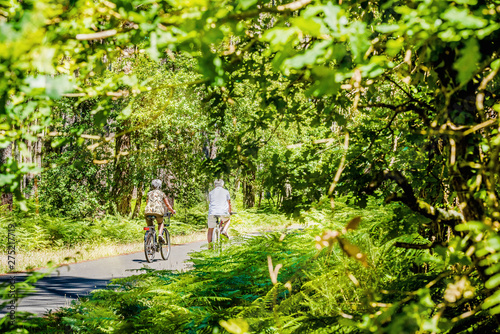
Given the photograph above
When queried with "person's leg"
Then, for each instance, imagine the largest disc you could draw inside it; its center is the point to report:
(211, 222)
(225, 227)
(160, 227)
(209, 235)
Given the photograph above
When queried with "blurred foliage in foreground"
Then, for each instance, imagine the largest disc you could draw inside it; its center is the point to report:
(299, 100)
(291, 282)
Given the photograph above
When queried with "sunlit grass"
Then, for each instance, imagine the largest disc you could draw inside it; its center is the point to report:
(246, 221)
(38, 259)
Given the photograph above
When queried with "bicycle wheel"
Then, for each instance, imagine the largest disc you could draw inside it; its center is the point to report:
(149, 250)
(216, 243)
(165, 246)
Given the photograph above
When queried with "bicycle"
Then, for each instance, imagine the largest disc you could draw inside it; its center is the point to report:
(216, 240)
(151, 246)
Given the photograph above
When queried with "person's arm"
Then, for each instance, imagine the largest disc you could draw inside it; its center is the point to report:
(168, 205)
(229, 202)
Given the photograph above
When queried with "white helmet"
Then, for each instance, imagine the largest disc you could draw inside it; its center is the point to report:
(156, 184)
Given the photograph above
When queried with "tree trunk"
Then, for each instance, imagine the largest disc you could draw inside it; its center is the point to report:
(166, 177)
(122, 185)
(249, 190)
(472, 208)
(138, 203)
(461, 170)
(7, 197)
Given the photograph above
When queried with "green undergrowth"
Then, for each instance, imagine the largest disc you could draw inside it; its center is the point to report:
(233, 285)
(39, 232)
(42, 234)
(278, 282)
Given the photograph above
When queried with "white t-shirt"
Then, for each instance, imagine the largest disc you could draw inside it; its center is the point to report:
(218, 201)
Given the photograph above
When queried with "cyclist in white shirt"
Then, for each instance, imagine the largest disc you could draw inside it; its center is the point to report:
(219, 205)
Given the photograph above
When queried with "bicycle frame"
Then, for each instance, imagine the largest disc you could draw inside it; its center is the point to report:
(216, 239)
(152, 245)
(216, 235)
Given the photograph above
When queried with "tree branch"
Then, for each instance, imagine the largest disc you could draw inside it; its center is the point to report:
(481, 89)
(449, 217)
(415, 246)
(411, 97)
(97, 35)
(287, 8)
(397, 110)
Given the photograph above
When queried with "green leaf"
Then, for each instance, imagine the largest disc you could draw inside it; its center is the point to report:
(126, 112)
(492, 269)
(493, 282)
(57, 86)
(387, 28)
(358, 36)
(462, 18)
(495, 310)
(495, 64)
(393, 46)
(245, 4)
(235, 326)
(53, 87)
(466, 2)
(325, 82)
(331, 16)
(309, 57)
(307, 26)
(153, 49)
(312, 11)
(466, 64)
(280, 36)
(6, 179)
(43, 61)
(129, 80)
(471, 226)
(492, 300)
(493, 243)
(58, 142)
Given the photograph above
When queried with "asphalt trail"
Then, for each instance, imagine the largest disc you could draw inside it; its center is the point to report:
(65, 284)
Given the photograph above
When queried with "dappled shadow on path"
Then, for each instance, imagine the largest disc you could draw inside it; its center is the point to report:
(144, 261)
(53, 292)
(67, 283)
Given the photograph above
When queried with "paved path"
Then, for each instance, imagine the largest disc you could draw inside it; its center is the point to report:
(68, 282)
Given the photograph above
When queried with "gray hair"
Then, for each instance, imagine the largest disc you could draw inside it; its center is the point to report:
(219, 183)
(156, 184)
